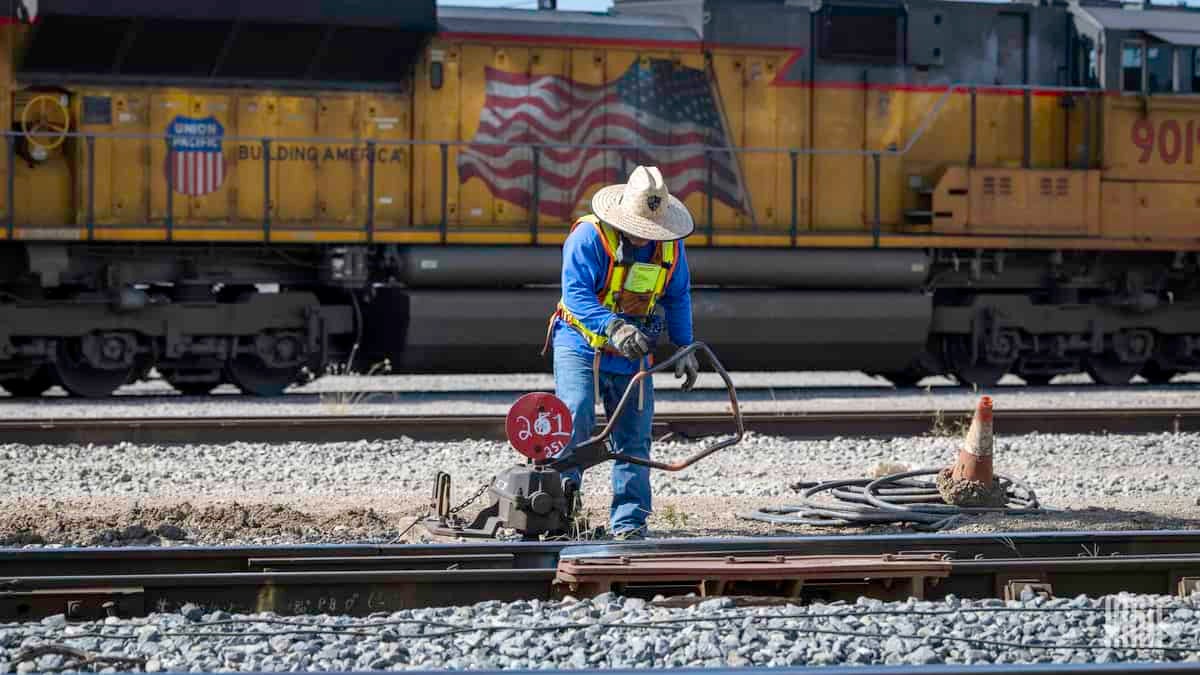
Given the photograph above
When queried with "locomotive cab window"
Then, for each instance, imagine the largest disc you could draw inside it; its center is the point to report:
(1196, 69)
(873, 35)
(1085, 64)
(1133, 66)
(1160, 69)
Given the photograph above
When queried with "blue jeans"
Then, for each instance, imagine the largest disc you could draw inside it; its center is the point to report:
(630, 482)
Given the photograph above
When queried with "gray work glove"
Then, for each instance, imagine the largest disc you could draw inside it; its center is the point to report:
(689, 366)
(627, 339)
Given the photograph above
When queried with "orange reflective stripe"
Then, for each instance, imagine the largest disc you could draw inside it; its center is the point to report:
(608, 239)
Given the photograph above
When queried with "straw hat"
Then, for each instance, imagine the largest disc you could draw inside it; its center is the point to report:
(643, 207)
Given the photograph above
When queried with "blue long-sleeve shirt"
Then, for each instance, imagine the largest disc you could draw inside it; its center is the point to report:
(584, 266)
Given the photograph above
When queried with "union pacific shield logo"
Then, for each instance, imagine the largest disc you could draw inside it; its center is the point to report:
(197, 164)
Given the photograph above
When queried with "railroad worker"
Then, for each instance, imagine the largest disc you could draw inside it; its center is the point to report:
(620, 264)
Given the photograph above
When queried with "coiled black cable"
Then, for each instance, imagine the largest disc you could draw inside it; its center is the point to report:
(895, 498)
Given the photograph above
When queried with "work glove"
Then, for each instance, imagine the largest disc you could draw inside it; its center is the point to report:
(627, 339)
(689, 366)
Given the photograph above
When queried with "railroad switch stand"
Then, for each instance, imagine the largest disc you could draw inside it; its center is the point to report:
(534, 500)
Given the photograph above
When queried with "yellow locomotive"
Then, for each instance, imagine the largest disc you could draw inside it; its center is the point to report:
(240, 194)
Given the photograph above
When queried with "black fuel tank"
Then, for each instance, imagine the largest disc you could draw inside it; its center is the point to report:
(515, 266)
(475, 331)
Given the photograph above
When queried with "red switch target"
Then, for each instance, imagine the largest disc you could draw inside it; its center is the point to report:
(538, 425)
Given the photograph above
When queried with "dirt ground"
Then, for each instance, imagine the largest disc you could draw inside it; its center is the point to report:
(122, 521)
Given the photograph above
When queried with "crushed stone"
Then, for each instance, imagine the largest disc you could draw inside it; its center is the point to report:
(371, 491)
(610, 631)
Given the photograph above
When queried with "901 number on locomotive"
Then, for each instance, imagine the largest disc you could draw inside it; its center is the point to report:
(1170, 140)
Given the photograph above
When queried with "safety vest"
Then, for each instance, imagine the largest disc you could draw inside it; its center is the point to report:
(629, 288)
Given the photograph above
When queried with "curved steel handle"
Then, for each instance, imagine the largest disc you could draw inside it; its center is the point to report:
(593, 451)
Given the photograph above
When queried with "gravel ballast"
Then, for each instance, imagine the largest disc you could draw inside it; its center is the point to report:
(372, 490)
(614, 632)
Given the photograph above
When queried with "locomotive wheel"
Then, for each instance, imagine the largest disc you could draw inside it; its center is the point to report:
(1107, 369)
(252, 376)
(967, 372)
(30, 387)
(1156, 374)
(82, 379)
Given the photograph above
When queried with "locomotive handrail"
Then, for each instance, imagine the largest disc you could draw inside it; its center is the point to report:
(710, 152)
(926, 122)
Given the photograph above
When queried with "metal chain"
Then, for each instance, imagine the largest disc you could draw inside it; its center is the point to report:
(471, 499)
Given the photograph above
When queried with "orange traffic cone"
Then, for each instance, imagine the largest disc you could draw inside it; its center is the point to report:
(975, 457)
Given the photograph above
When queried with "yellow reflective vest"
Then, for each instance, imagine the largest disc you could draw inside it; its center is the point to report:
(630, 288)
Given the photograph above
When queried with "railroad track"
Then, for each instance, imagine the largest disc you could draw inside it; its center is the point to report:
(822, 424)
(361, 579)
(159, 390)
(506, 392)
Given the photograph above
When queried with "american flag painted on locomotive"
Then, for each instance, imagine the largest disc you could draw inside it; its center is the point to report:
(197, 164)
(659, 103)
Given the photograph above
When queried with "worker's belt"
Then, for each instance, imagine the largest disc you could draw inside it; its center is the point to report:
(651, 326)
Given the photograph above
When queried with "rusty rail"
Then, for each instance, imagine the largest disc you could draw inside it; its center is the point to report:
(359, 580)
(895, 576)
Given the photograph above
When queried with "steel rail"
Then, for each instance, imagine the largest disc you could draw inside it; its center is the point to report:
(802, 424)
(41, 561)
(359, 580)
(1120, 668)
(397, 394)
